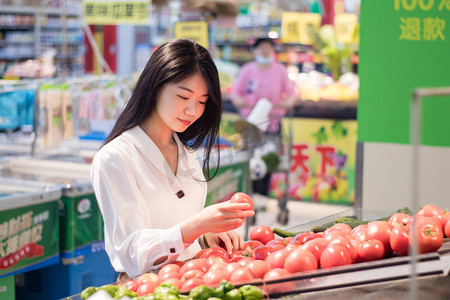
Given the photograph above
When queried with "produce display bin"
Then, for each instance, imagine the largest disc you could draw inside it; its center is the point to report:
(29, 226)
(60, 281)
(81, 222)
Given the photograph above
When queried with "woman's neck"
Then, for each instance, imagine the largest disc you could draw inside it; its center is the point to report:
(160, 134)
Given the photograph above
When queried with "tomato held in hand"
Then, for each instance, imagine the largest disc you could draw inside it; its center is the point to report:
(242, 198)
(262, 233)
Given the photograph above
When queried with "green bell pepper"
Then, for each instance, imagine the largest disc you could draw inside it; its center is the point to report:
(201, 292)
(123, 291)
(232, 295)
(250, 292)
(167, 288)
(87, 292)
(226, 286)
(111, 289)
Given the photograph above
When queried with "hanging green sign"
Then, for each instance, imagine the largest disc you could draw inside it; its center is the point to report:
(405, 45)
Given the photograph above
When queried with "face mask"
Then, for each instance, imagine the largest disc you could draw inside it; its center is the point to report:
(264, 60)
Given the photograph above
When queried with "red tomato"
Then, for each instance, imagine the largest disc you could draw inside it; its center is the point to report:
(169, 269)
(276, 242)
(399, 218)
(274, 248)
(199, 253)
(316, 247)
(276, 260)
(380, 230)
(220, 265)
(276, 274)
(192, 274)
(447, 229)
(258, 268)
(240, 276)
(314, 236)
(300, 260)
(147, 277)
(301, 237)
(242, 198)
(252, 244)
(230, 268)
(174, 281)
(330, 235)
(429, 235)
(429, 210)
(287, 240)
(163, 276)
(132, 285)
(214, 258)
(262, 233)
(292, 246)
(335, 255)
(359, 232)
(399, 239)
(243, 262)
(216, 251)
(371, 250)
(213, 277)
(345, 228)
(190, 284)
(342, 240)
(260, 253)
(195, 264)
(442, 219)
(146, 288)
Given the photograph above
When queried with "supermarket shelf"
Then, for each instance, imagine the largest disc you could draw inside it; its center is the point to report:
(37, 9)
(15, 27)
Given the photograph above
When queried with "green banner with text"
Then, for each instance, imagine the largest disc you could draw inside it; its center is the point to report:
(405, 45)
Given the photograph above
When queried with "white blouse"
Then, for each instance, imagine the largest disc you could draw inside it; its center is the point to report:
(137, 194)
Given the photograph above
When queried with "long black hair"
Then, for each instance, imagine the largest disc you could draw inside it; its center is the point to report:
(171, 63)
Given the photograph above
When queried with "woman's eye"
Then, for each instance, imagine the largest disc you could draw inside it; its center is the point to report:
(184, 98)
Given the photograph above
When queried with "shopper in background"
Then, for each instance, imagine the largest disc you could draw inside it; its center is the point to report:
(148, 182)
(264, 78)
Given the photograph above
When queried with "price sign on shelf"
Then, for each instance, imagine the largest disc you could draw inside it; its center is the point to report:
(100, 12)
(296, 27)
(195, 30)
(345, 25)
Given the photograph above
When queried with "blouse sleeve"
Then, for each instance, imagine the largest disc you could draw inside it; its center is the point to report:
(132, 246)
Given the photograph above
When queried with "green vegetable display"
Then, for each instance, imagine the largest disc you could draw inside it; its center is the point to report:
(234, 294)
(250, 292)
(201, 292)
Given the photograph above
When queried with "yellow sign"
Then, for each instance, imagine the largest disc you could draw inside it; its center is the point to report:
(195, 30)
(345, 25)
(295, 27)
(98, 12)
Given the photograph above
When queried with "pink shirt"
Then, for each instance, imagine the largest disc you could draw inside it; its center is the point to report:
(272, 83)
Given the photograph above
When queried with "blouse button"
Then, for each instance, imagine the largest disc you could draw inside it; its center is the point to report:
(172, 250)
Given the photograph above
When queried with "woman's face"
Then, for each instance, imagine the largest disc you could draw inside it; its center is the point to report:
(180, 104)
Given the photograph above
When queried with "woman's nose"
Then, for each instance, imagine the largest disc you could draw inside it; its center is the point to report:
(190, 108)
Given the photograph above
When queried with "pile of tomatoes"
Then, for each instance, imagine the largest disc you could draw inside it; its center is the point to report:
(266, 258)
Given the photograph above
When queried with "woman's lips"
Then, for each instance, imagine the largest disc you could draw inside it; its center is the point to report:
(185, 122)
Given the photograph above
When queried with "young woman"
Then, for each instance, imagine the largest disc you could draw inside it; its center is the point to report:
(148, 182)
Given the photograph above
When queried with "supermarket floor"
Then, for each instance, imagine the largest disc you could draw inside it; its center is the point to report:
(299, 212)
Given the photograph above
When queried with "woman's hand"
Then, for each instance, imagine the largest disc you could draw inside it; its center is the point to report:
(232, 240)
(217, 218)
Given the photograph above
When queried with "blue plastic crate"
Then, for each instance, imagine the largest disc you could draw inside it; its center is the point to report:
(60, 281)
